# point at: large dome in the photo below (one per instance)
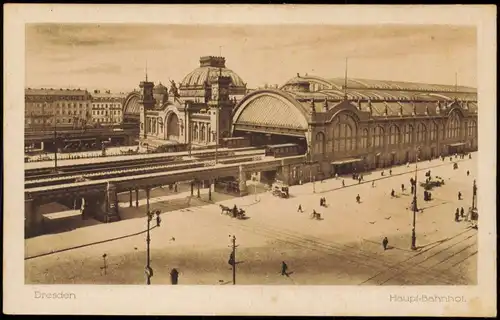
(209, 69)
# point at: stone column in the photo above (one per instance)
(33, 219)
(242, 182)
(130, 197)
(192, 188)
(285, 173)
(210, 190)
(137, 198)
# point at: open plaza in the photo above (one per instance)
(344, 247)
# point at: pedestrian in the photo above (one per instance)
(385, 242)
(462, 212)
(470, 156)
(343, 183)
(382, 173)
(336, 176)
(459, 195)
(300, 208)
(361, 177)
(468, 173)
(373, 183)
(174, 276)
(359, 180)
(390, 172)
(402, 187)
(392, 193)
(284, 269)
(321, 202)
(358, 199)
(407, 164)
(158, 220)
(457, 215)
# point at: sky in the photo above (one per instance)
(114, 56)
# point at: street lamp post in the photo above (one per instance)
(414, 206)
(474, 194)
(148, 270)
(233, 257)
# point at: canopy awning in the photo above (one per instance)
(344, 161)
(458, 144)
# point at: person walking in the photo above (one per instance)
(402, 187)
(393, 193)
(284, 269)
(336, 176)
(358, 198)
(359, 180)
(300, 208)
(343, 183)
(390, 172)
(462, 212)
(385, 242)
(459, 195)
(468, 173)
(373, 183)
(457, 215)
(174, 276)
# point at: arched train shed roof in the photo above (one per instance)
(267, 109)
(132, 107)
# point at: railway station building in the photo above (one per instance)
(192, 111)
(343, 125)
(356, 124)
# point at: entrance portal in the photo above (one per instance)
(172, 127)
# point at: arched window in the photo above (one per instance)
(394, 135)
(408, 134)
(195, 132)
(378, 137)
(364, 139)
(421, 132)
(320, 143)
(433, 132)
(202, 132)
(471, 129)
(453, 130)
(344, 134)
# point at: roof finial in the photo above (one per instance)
(146, 70)
(345, 80)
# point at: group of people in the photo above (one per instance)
(322, 202)
(460, 214)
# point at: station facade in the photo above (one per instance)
(360, 126)
(193, 111)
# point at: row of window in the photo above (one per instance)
(105, 112)
(51, 121)
(106, 105)
(345, 134)
(202, 133)
(106, 120)
(52, 98)
(59, 105)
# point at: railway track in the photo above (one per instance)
(86, 169)
(138, 169)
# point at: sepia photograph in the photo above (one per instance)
(207, 155)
